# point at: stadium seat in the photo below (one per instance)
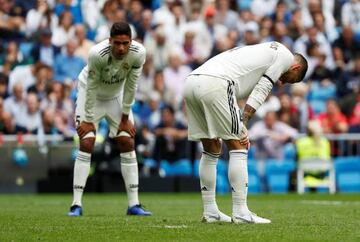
(178, 168)
(318, 106)
(277, 175)
(254, 178)
(322, 93)
(25, 49)
(310, 165)
(348, 173)
(289, 151)
(150, 163)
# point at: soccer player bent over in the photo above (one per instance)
(106, 89)
(211, 93)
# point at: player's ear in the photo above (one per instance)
(110, 39)
(296, 67)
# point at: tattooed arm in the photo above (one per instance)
(248, 113)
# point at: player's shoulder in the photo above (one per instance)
(100, 50)
(136, 48)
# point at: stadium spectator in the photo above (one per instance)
(174, 77)
(11, 59)
(65, 31)
(279, 34)
(295, 26)
(313, 36)
(28, 119)
(44, 51)
(72, 6)
(90, 10)
(60, 105)
(176, 31)
(159, 48)
(134, 16)
(84, 44)
(11, 24)
(333, 121)
(354, 121)
(6, 126)
(41, 17)
(251, 34)
(314, 146)
(261, 8)
(225, 15)
(299, 93)
(42, 76)
(288, 112)
(146, 25)
(345, 48)
(25, 75)
(192, 50)
(350, 13)
(281, 13)
(4, 80)
(68, 66)
(348, 81)
(15, 102)
(270, 136)
(171, 142)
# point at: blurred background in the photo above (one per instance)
(305, 138)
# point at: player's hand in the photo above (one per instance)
(244, 137)
(84, 128)
(127, 126)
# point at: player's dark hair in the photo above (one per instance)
(304, 65)
(120, 28)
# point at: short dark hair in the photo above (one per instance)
(304, 65)
(120, 28)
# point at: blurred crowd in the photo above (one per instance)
(44, 45)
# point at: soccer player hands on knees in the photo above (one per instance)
(244, 137)
(84, 128)
(127, 126)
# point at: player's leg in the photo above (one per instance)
(207, 172)
(198, 130)
(82, 163)
(129, 164)
(238, 177)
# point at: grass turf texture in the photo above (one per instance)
(312, 217)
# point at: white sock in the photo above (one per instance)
(207, 172)
(81, 173)
(238, 177)
(129, 171)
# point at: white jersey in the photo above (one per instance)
(253, 69)
(106, 77)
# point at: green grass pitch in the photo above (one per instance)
(311, 217)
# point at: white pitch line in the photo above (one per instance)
(175, 226)
(325, 202)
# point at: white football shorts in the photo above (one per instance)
(110, 109)
(212, 108)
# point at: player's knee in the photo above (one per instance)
(126, 144)
(212, 146)
(235, 145)
(87, 144)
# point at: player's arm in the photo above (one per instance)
(257, 97)
(93, 81)
(129, 93)
(263, 88)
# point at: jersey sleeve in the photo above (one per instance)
(259, 93)
(93, 82)
(262, 89)
(131, 81)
